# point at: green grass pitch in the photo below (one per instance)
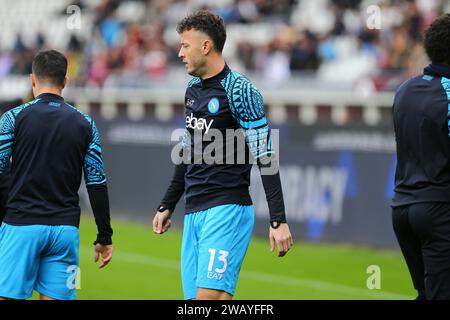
(146, 266)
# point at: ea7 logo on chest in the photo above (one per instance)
(190, 102)
(198, 123)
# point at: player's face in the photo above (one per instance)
(192, 51)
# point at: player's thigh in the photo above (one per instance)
(58, 270)
(432, 222)
(189, 256)
(223, 243)
(20, 248)
(410, 244)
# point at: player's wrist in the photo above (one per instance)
(277, 220)
(103, 240)
(163, 208)
(276, 224)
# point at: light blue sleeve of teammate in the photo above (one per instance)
(446, 85)
(7, 122)
(94, 176)
(94, 171)
(247, 107)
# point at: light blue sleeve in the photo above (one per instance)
(94, 171)
(446, 85)
(247, 107)
(7, 122)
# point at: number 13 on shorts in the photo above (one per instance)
(217, 273)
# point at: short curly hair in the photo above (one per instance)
(437, 40)
(207, 22)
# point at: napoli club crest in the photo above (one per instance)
(213, 105)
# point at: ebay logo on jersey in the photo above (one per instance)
(193, 122)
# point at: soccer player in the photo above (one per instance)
(421, 204)
(219, 213)
(50, 143)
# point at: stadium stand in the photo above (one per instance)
(300, 53)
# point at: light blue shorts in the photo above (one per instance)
(215, 242)
(38, 257)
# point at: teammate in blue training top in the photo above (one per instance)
(50, 143)
(421, 203)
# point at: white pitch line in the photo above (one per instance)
(263, 277)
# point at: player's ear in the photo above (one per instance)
(33, 80)
(66, 81)
(207, 47)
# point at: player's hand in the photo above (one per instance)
(282, 237)
(105, 251)
(162, 222)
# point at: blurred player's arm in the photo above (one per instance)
(175, 189)
(94, 176)
(251, 117)
(6, 146)
(161, 221)
(4, 188)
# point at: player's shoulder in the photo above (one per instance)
(408, 83)
(17, 110)
(235, 82)
(82, 116)
(237, 76)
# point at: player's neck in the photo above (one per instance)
(55, 91)
(215, 66)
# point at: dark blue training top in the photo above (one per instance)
(50, 143)
(226, 101)
(421, 119)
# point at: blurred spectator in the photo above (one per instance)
(276, 38)
(304, 53)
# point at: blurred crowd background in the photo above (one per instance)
(133, 43)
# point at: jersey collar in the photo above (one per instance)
(438, 70)
(49, 96)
